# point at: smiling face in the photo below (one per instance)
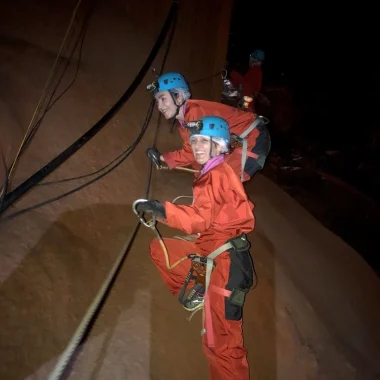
(201, 148)
(166, 105)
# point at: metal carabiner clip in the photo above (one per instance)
(152, 222)
(264, 119)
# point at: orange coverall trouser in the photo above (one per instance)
(228, 358)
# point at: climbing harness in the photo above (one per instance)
(203, 267)
(240, 143)
(197, 273)
(200, 272)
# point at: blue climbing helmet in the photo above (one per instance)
(167, 82)
(212, 126)
(258, 54)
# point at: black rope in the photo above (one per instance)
(133, 235)
(79, 41)
(120, 155)
(57, 161)
(126, 154)
(171, 35)
(50, 104)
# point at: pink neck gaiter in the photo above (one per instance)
(211, 163)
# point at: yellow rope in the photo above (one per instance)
(166, 253)
(180, 168)
(44, 90)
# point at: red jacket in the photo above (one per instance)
(251, 81)
(220, 210)
(237, 119)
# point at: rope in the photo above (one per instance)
(181, 196)
(107, 285)
(166, 253)
(181, 168)
(31, 182)
(152, 225)
(44, 91)
(92, 310)
(79, 41)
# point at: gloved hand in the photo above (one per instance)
(154, 155)
(153, 207)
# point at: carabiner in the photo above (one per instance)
(152, 222)
(264, 119)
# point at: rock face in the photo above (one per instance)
(315, 312)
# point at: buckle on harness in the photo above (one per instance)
(264, 119)
(240, 243)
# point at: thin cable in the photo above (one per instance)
(80, 39)
(28, 184)
(127, 153)
(92, 312)
(49, 106)
(51, 103)
(156, 133)
(147, 118)
(121, 154)
(94, 308)
(159, 115)
(43, 95)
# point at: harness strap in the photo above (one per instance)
(207, 320)
(251, 128)
(221, 291)
(249, 154)
(243, 158)
(244, 142)
(235, 244)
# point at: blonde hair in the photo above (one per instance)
(217, 140)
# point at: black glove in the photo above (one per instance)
(153, 207)
(154, 155)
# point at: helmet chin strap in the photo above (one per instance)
(210, 153)
(177, 112)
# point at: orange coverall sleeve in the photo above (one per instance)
(184, 156)
(195, 218)
(181, 157)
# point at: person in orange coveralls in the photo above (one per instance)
(221, 215)
(252, 81)
(249, 134)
